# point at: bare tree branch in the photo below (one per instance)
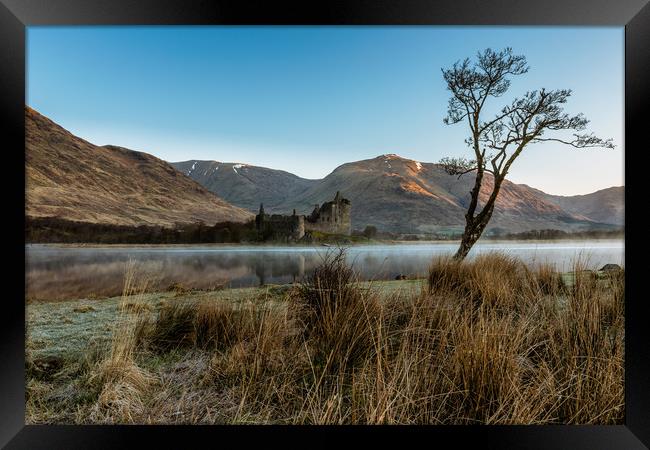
(458, 166)
(581, 141)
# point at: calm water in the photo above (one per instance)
(68, 272)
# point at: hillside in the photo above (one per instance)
(70, 178)
(245, 185)
(605, 205)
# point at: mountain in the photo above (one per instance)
(246, 185)
(393, 193)
(401, 195)
(606, 205)
(70, 178)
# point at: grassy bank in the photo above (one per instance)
(487, 341)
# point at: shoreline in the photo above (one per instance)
(273, 289)
(312, 245)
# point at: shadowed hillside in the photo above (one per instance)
(606, 205)
(72, 179)
(245, 185)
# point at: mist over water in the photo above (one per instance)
(75, 272)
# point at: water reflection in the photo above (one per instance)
(66, 272)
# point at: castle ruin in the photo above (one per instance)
(332, 217)
(279, 227)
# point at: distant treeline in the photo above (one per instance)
(547, 234)
(55, 230)
(560, 234)
(430, 237)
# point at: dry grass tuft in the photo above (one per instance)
(488, 280)
(178, 289)
(549, 281)
(339, 317)
(122, 382)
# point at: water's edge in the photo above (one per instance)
(55, 272)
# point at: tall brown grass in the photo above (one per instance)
(486, 341)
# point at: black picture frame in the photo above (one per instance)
(634, 15)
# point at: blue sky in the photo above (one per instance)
(307, 99)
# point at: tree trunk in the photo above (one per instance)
(473, 230)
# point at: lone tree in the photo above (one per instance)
(536, 117)
(370, 231)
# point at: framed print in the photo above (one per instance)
(375, 217)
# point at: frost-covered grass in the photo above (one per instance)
(69, 327)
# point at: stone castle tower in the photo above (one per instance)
(332, 217)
